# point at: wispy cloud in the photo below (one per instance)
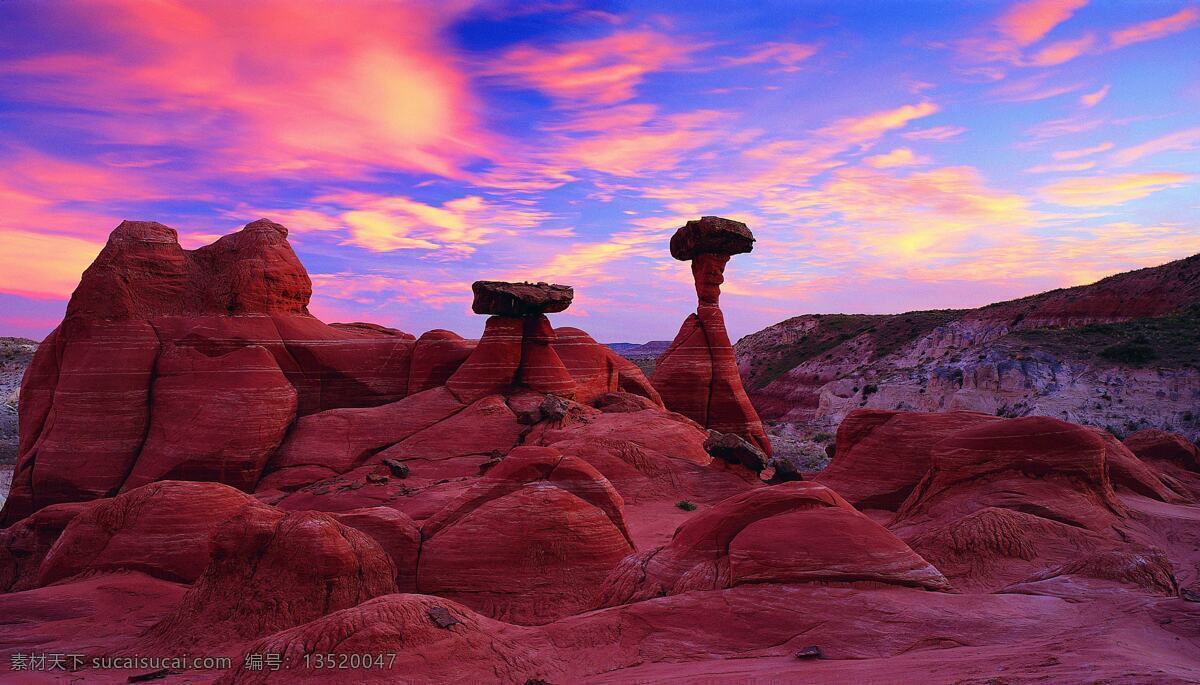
(1182, 20)
(1104, 191)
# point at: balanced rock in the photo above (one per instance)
(711, 235)
(698, 375)
(520, 299)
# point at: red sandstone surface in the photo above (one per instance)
(206, 469)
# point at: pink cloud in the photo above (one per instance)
(1092, 99)
(788, 56)
(1182, 20)
(597, 71)
(269, 86)
(1027, 22)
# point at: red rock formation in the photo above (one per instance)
(1009, 501)
(698, 376)
(395, 533)
(1161, 446)
(161, 529)
(436, 356)
(430, 639)
(530, 542)
(152, 320)
(24, 545)
(791, 533)
(597, 369)
(214, 419)
(880, 456)
(271, 571)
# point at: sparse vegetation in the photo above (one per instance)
(685, 505)
(1171, 341)
(887, 333)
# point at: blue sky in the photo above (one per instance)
(889, 156)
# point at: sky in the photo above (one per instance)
(889, 156)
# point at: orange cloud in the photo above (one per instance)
(901, 156)
(1104, 191)
(1182, 20)
(452, 230)
(936, 133)
(43, 265)
(857, 129)
(1093, 99)
(1060, 168)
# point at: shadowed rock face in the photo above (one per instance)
(520, 299)
(698, 375)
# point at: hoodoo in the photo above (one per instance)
(517, 344)
(698, 376)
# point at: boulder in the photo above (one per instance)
(880, 456)
(797, 532)
(711, 235)
(530, 542)
(272, 571)
(161, 529)
(520, 299)
(1157, 445)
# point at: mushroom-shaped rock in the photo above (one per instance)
(161, 529)
(796, 532)
(530, 542)
(711, 235)
(520, 299)
(273, 571)
(698, 375)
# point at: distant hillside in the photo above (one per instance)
(644, 355)
(15, 354)
(1121, 353)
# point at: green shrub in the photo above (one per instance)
(1129, 353)
(685, 505)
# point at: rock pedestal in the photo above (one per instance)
(698, 376)
(517, 347)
